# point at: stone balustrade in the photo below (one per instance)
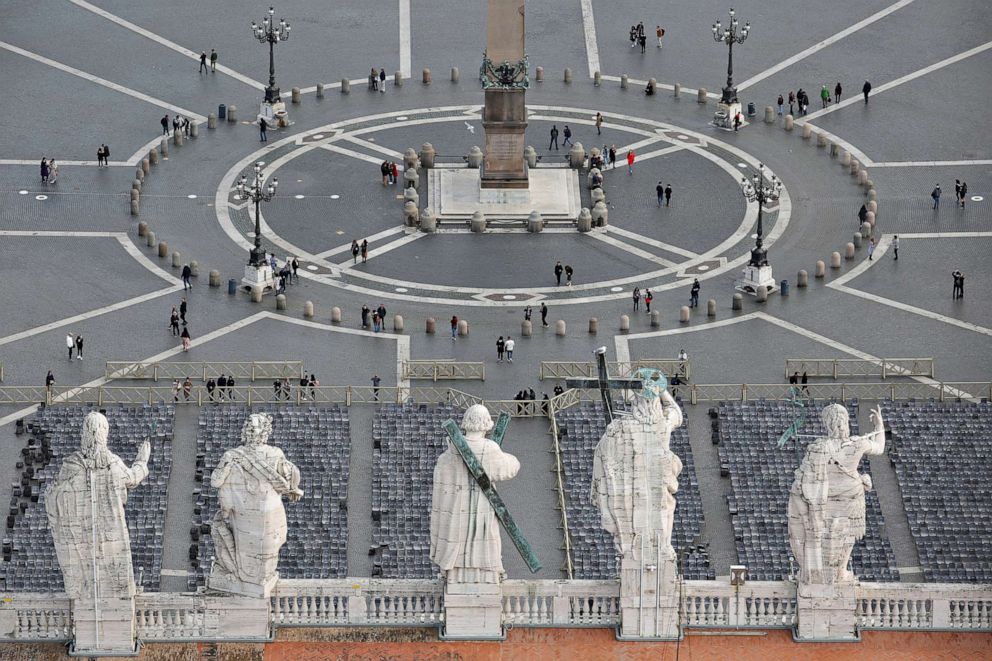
(573, 603)
(759, 604)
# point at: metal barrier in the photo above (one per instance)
(578, 370)
(449, 370)
(836, 368)
(251, 371)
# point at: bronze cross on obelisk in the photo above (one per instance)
(603, 382)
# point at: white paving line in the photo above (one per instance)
(405, 38)
(355, 154)
(858, 98)
(164, 42)
(641, 143)
(823, 44)
(633, 250)
(346, 247)
(589, 30)
(102, 81)
(143, 259)
(387, 247)
(392, 153)
(613, 229)
(665, 86)
(20, 161)
(945, 235)
(851, 149)
(929, 164)
(658, 152)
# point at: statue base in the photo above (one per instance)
(104, 627)
(753, 277)
(233, 585)
(258, 276)
(242, 618)
(826, 613)
(473, 611)
(454, 194)
(649, 601)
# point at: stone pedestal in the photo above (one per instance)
(753, 277)
(473, 611)
(236, 617)
(504, 120)
(649, 601)
(826, 612)
(258, 276)
(104, 626)
(724, 116)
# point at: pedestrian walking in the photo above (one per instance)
(694, 294)
(895, 245)
(500, 348)
(794, 379)
(165, 124)
(554, 138)
(865, 89)
(70, 343)
(633, 36)
(613, 156)
(187, 274)
(738, 121)
(296, 268)
(182, 310)
(394, 173)
(824, 95)
(544, 315)
(99, 156)
(630, 161)
(106, 156)
(599, 123)
(454, 327)
(177, 387)
(375, 387)
(567, 132)
(213, 61)
(263, 127)
(354, 251)
(659, 32)
(365, 250)
(559, 269)
(509, 345)
(44, 170)
(804, 381)
(781, 105)
(643, 41)
(837, 92)
(958, 291)
(668, 195)
(79, 347)
(935, 194)
(185, 337)
(871, 249)
(568, 275)
(648, 297)
(385, 171)
(962, 196)
(174, 321)
(382, 81)
(637, 298)
(660, 191)
(53, 171)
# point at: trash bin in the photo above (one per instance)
(751, 110)
(222, 111)
(784, 285)
(232, 287)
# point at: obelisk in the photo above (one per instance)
(504, 79)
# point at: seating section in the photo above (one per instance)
(29, 561)
(593, 550)
(761, 476)
(318, 441)
(942, 461)
(407, 440)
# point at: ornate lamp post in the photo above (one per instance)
(258, 271)
(271, 33)
(730, 35)
(761, 189)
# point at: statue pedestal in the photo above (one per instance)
(258, 276)
(753, 277)
(233, 585)
(826, 612)
(242, 618)
(473, 611)
(649, 601)
(104, 627)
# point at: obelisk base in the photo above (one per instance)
(505, 121)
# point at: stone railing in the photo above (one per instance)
(173, 616)
(251, 370)
(836, 368)
(442, 370)
(360, 601)
(35, 616)
(588, 370)
(760, 604)
(924, 606)
(561, 603)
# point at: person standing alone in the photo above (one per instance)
(865, 90)
(554, 138)
(895, 245)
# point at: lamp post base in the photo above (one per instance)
(258, 276)
(753, 277)
(271, 94)
(723, 118)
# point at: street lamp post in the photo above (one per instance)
(258, 271)
(271, 33)
(761, 189)
(730, 35)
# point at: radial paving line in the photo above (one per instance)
(632, 250)
(371, 146)
(589, 30)
(823, 44)
(613, 229)
(102, 81)
(930, 164)
(164, 42)
(346, 247)
(346, 265)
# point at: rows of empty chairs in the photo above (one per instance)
(761, 476)
(593, 550)
(29, 561)
(407, 440)
(942, 461)
(318, 441)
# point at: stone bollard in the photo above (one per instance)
(335, 315)
(873, 206)
(789, 123)
(624, 81)
(834, 150)
(135, 195)
(597, 79)
(821, 140)
(560, 328)
(652, 86)
(869, 185)
(232, 114)
(150, 239)
(576, 155)
(411, 178)
(761, 293)
(684, 313)
(146, 165)
(526, 328)
(462, 327)
(411, 215)
(295, 95)
(568, 75)
(410, 159)
(863, 177)
(427, 155)
(397, 323)
(535, 222)
(454, 74)
(870, 219)
(584, 222)
(845, 158)
(142, 226)
(539, 74)
(738, 303)
(678, 90)
(280, 302)
(807, 131)
(530, 155)
(593, 326)
(212, 120)
(478, 222)
(474, 158)
(624, 323)
(656, 318)
(194, 130)
(163, 249)
(177, 259)
(701, 96)
(428, 221)
(136, 185)
(802, 279)
(153, 156)
(398, 79)
(411, 195)
(855, 168)
(769, 115)
(593, 172)
(163, 147)
(835, 260)
(600, 214)
(194, 268)
(345, 86)
(135, 206)
(856, 239)
(597, 195)
(711, 307)
(256, 294)
(431, 326)
(821, 269)
(425, 76)
(214, 278)
(139, 174)
(319, 92)
(177, 138)
(308, 309)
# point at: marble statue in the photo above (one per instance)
(827, 500)
(635, 474)
(465, 537)
(250, 526)
(85, 505)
